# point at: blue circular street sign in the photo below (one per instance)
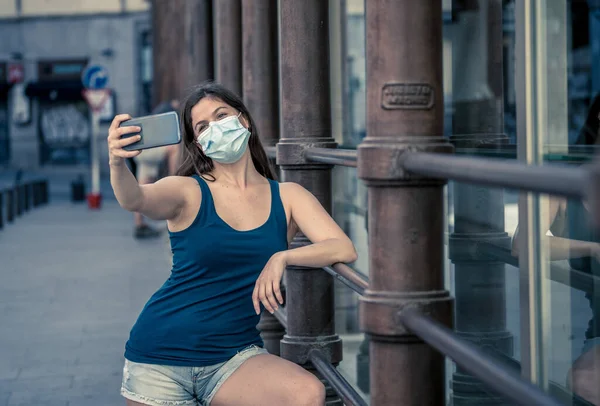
(94, 77)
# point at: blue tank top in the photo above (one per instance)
(203, 314)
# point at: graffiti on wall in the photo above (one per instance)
(64, 125)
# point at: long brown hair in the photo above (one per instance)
(193, 161)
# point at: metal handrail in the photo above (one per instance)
(559, 392)
(281, 316)
(333, 156)
(555, 179)
(552, 179)
(341, 386)
(499, 378)
(573, 278)
(349, 277)
(342, 157)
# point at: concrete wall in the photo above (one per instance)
(80, 36)
(29, 8)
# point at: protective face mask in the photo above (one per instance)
(225, 140)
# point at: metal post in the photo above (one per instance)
(94, 197)
(271, 332)
(36, 193)
(306, 121)
(480, 286)
(260, 67)
(10, 206)
(405, 109)
(26, 197)
(1, 209)
(182, 50)
(18, 200)
(228, 47)
(260, 92)
(34, 201)
(45, 192)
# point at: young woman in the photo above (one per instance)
(195, 341)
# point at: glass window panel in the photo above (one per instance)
(564, 282)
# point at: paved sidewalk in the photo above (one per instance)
(73, 282)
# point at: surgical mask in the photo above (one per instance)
(225, 140)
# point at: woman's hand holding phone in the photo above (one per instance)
(116, 152)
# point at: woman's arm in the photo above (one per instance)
(329, 245)
(561, 248)
(564, 248)
(162, 200)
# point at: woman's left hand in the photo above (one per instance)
(267, 289)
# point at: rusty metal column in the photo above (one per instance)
(260, 61)
(306, 121)
(405, 109)
(479, 280)
(181, 46)
(228, 43)
(260, 91)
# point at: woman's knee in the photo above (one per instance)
(312, 392)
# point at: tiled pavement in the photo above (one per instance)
(72, 282)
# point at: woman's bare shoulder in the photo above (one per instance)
(177, 185)
(292, 189)
(294, 194)
(178, 181)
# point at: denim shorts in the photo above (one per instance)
(161, 385)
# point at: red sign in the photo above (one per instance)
(96, 98)
(15, 73)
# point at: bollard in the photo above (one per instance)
(40, 199)
(26, 198)
(36, 194)
(10, 206)
(1, 209)
(45, 197)
(17, 200)
(78, 190)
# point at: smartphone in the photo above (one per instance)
(158, 130)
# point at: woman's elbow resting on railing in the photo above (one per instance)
(349, 255)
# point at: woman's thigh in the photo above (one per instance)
(132, 403)
(270, 380)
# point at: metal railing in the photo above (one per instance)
(573, 278)
(505, 381)
(483, 366)
(349, 277)
(556, 179)
(341, 386)
(499, 378)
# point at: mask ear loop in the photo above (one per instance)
(249, 129)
